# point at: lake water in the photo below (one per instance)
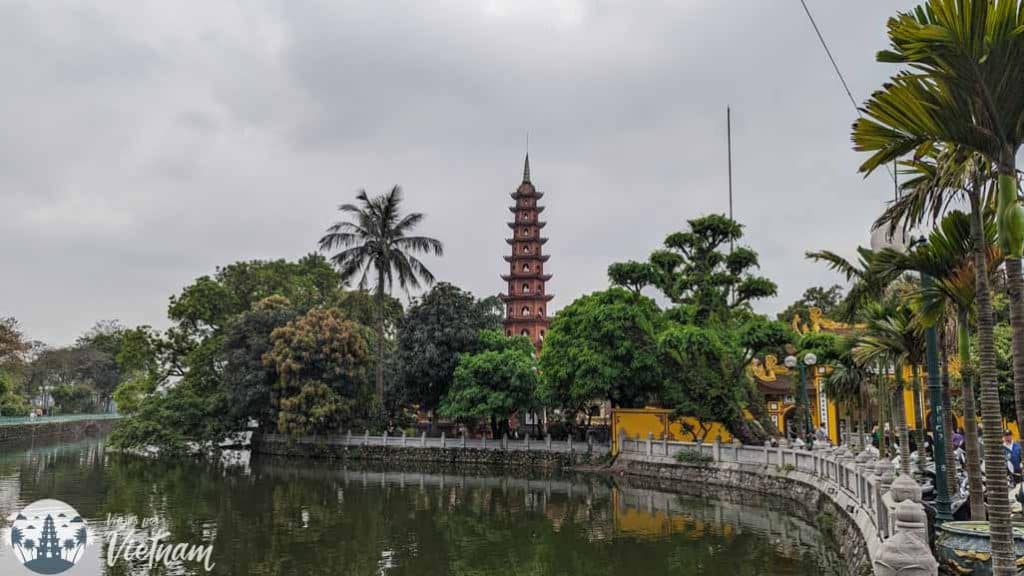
(271, 516)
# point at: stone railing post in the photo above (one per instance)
(767, 452)
(403, 437)
(736, 449)
(664, 444)
(906, 552)
(547, 442)
(384, 438)
(348, 436)
(783, 444)
(716, 449)
(650, 445)
(444, 441)
(590, 445)
(568, 442)
(622, 440)
(366, 438)
(423, 439)
(504, 441)
(526, 441)
(463, 438)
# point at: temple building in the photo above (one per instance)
(527, 299)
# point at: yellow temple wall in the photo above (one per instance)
(639, 422)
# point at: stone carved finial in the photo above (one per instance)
(907, 553)
(905, 488)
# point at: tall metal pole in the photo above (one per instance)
(728, 139)
(942, 500)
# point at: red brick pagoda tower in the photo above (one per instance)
(526, 301)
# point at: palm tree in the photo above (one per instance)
(849, 383)
(68, 546)
(894, 336)
(948, 257)
(378, 238)
(963, 93)
(81, 537)
(17, 535)
(30, 545)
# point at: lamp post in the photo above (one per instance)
(942, 501)
(809, 360)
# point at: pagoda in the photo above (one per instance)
(527, 299)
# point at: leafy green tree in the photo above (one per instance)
(442, 324)
(379, 238)
(494, 383)
(825, 299)
(632, 275)
(248, 381)
(603, 346)
(319, 359)
(702, 270)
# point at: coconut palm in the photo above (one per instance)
(17, 535)
(948, 257)
(29, 545)
(963, 92)
(81, 537)
(378, 238)
(68, 545)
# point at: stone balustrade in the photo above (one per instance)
(887, 509)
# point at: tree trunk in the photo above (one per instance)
(1003, 556)
(1015, 292)
(883, 413)
(972, 448)
(947, 410)
(901, 422)
(380, 337)
(919, 417)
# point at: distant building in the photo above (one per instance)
(527, 299)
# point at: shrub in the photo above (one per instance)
(693, 457)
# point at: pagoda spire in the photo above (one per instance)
(526, 168)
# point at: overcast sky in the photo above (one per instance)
(144, 143)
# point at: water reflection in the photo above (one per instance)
(270, 516)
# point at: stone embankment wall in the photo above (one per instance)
(317, 448)
(796, 492)
(66, 431)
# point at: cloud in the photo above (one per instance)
(146, 143)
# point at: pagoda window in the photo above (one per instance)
(524, 232)
(526, 267)
(540, 312)
(525, 333)
(541, 335)
(526, 249)
(526, 311)
(526, 216)
(526, 288)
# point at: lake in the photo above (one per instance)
(265, 516)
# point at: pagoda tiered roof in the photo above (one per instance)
(537, 209)
(526, 276)
(514, 257)
(527, 223)
(534, 296)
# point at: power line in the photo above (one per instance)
(835, 66)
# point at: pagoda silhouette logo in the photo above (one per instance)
(47, 536)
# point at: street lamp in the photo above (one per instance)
(809, 360)
(942, 500)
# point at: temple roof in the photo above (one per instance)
(520, 297)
